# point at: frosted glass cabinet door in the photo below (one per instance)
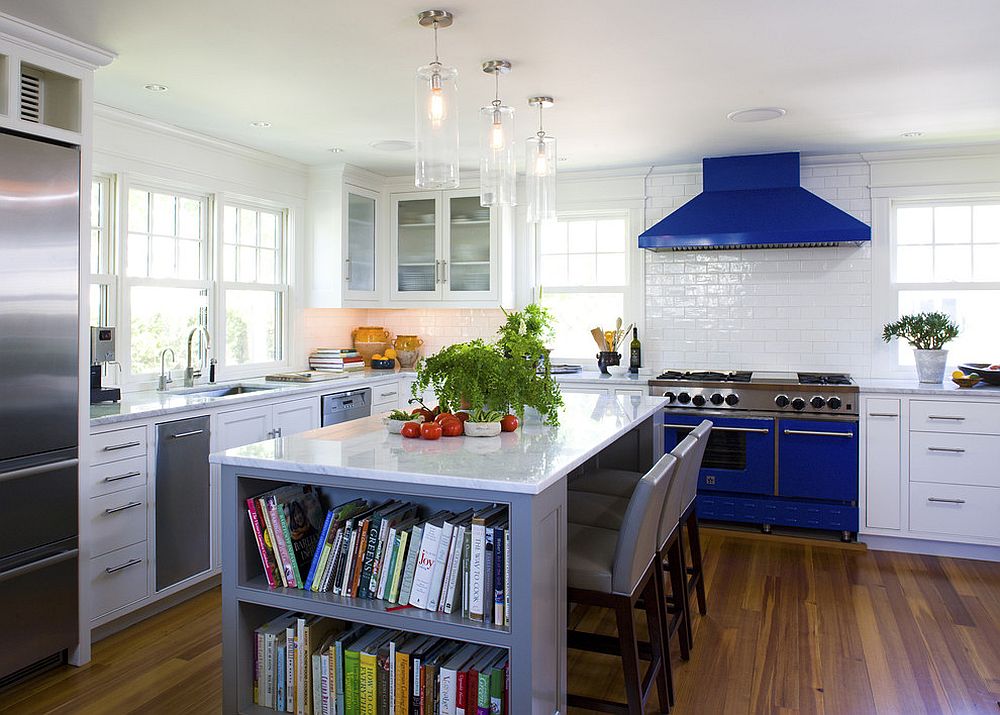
(470, 255)
(417, 264)
(360, 248)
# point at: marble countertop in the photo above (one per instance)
(150, 403)
(913, 387)
(639, 380)
(526, 461)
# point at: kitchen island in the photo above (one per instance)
(526, 470)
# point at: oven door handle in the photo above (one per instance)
(816, 433)
(756, 430)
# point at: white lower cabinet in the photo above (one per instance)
(295, 416)
(883, 464)
(932, 469)
(117, 519)
(118, 579)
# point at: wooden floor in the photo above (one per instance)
(791, 628)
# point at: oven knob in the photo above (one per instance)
(732, 400)
(717, 399)
(798, 403)
(834, 403)
(698, 400)
(670, 397)
(817, 402)
(781, 400)
(684, 398)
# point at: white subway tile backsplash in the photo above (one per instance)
(800, 308)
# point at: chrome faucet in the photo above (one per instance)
(165, 378)
(189, 372)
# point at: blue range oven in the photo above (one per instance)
(775, 470)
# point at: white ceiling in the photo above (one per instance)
(636, 83)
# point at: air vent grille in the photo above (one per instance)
(31, 97)
(740, 247)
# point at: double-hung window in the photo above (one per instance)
(167, 276)
(102, 258)
(254, 284)
(945, 256)
(584, 268)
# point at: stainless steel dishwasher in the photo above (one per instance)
(346, 406)
(183, 509)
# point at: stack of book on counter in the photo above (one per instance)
(311, 665)
(444, 562)
(336, 360)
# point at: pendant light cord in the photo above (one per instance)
(436, 60)
(541, 132)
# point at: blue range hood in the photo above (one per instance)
(754, 202)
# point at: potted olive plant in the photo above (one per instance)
(927, 334)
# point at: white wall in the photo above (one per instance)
(798, 308)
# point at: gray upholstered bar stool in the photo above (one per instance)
(594, 509)
(615, 568)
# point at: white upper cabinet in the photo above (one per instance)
(445, 248)
(360, 247)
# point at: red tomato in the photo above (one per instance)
(463, 416)
(508, 423)
(430, 430)
(411, 430)
(443, 416)
(453, 427)
(425, 413)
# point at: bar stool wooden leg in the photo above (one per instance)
(630, 655)
(679, 595)
(697, 573)
(656, 617)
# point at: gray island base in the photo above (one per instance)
(526, 470)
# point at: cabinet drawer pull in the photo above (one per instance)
(816, 433)
(946, 501)
(946, 417)
(955, 450)
(122, 476)
(119, 567)
(123, 445)
(882, 414)
(756, 430)
(192, 433)
(347, 273)
(387, 394)
(123, 507)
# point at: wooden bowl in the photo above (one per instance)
(968, 381)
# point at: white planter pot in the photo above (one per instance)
(930, 365)
(482, 429)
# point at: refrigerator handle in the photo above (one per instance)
(37, 565)
(39, 469)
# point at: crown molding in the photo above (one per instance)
(79, 52)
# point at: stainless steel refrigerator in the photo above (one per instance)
(39, 378)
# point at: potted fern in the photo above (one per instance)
(927, 334)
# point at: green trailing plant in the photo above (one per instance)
(923, 331)
(509, 374)
(484, 415)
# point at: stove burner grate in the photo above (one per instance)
(707, 376)
(820, 378)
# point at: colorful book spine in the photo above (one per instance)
(404, 540)
(283, 520)
(352, 682)
(367, 682)
(454, 570)
(506, 576)
(498, 598)
(402, 699)
(266, 557)
(461, 692)
(276, 515)
(359, 560)
(420, 592)
(483, 697)
(290, 646)
(319, 551)
(496, 690)
(280, 675)
(440, 564)
(477, 563)
(410, 567)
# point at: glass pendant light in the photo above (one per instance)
(497, 172)
(540, 168)
(436, 115)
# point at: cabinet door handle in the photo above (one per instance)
(123, 507)
(946, 417)
(119, 567)
(38, 565)
(277, 431)
(123, 445)
(956, 450)
(942, 500)
(119, 477)
(444, 271)
(387, 394)
(816, 433)
(39, 469)
(192, 433)
(347, 274)
(437, 272)
(882, 414)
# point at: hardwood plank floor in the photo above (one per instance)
(791, 628)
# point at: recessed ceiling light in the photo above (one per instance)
(156, 87)
(392, 145)
(336, 150)
(563, 158)
(260, 125)
(756, 114)
(911, 135)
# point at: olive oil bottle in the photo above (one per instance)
(634, 353)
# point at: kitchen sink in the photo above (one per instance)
(225, 391)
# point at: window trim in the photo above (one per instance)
(632, 289)
(284, 257)
(885, 289)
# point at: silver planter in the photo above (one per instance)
(930, 365)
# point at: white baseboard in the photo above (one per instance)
(906, 545)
